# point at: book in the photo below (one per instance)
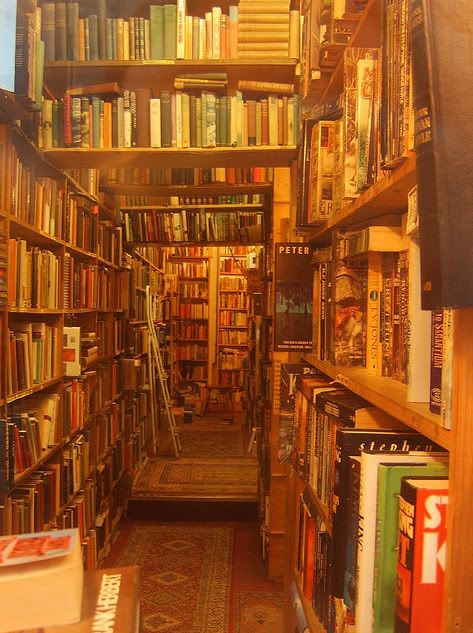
(72, 365)
(387, 518)
(422, 538)
(444, 250)
(33, 567)
(365, 570)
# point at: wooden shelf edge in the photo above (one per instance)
(388, 395)
(253, 156)
(314, 623)
(211, 189)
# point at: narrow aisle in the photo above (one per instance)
(200, 577)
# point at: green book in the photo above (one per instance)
(156, 19)
(170, 26)
(387, 513)
(96, 121)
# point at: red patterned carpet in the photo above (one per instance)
(200, 578)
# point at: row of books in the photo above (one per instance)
(232, 284)
(89, 285)
(189, 251)
(231, 265)
(188, 269)
(168, 32)
(186, 176)
(193, 289)
(186, 351)
(353, 457)
(33, 276)
(190, 331)
(190, 373)
(33, 355)
(123, 201)
(172, 119)
(192, 226)
(232, 359)
(231, 300)
(231, 378)
(193, 310)
(228, 318)
(227, 337)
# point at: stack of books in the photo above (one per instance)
(263, 30)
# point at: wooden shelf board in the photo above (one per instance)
(27, 392)
(46, 456)
(389, 395)
(171, 208)
(263, 156)
(177, 243)
(314, 623)
(36, 311)
(211, 189)
(34, 236)
(388, 195)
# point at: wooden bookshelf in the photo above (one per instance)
(262, 156)
(389, 395)
(210, 190)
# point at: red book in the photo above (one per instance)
(421, 554)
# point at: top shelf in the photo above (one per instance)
(61, 75)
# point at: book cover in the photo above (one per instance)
(422, 540)
(387, 518)
(350, 443)
(370, 462)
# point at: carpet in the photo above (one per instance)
(211, 443)
(259, 612)
(235, 478)
(185, 575)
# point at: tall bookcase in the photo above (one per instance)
(323, 69)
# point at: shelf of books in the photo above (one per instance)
(190, 266)
(68, 431)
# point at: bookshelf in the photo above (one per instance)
(380, 203)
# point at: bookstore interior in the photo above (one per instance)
(238, 222)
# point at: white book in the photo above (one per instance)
(202, 36)
(188, 37)
(208, 36)
(239, 117)
(290, 121)
(204, 119)
(71, 352)
(419, 343)
(273, 119)
(185, 105)
(245, 126)
(147, 39)
(155, 122)
(367, 527)
(180, 29)
(126, 40)
(120, 122)
(216, 19)
(127, 125)
(198, 121)
(233, 121)
(178, 118)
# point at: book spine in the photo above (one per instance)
(101, 28)
(61, 32)
(156, 31)
(216, 19)
(436, 361)
(180, 29)
(48, 31)
(170, 31)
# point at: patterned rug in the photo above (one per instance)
(234, 478)
(185, 575)
(259, 612)
(204, 442)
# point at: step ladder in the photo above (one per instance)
(156, 370)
